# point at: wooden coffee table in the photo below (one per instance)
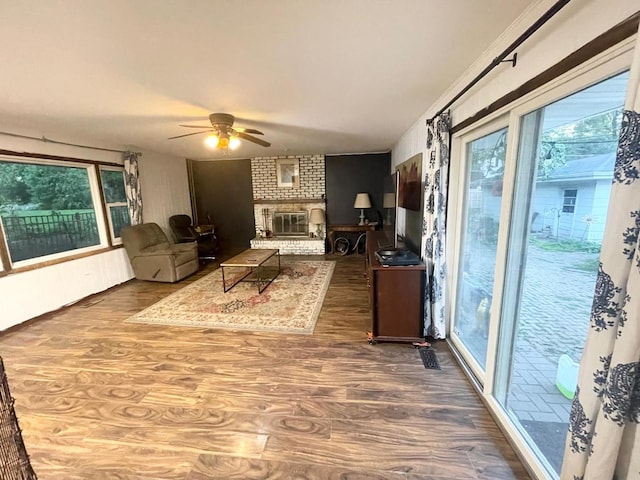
(259, 266)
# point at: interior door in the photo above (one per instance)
(222, 191)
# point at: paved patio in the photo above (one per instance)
(554, 316)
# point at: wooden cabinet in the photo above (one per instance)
(395, 295)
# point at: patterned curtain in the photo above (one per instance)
(434, 219)
(132, 187)
(604, 438)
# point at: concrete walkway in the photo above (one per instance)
(554, 320)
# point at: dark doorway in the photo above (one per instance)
(222, 191)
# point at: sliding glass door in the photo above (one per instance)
(565, 166)
(480, 222)
(530, 206)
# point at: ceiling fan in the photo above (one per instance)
(222, 135)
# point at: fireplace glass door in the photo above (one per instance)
(291, 224)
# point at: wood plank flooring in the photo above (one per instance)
(100, 398)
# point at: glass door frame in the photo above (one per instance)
(498, 363)
(458, 190)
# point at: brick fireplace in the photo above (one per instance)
(281, 213)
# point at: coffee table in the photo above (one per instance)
(259, 266)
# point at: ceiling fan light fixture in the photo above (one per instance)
(212, 140)
(234, 142)
(222, 136)
(223, 142)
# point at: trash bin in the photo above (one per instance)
(567, 376)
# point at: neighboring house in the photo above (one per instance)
(571, 203)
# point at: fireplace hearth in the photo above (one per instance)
(285, 225)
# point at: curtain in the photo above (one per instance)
(603, 440)
(132, 187)
(434, 224)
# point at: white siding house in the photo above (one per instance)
(571, 203)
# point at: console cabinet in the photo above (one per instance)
(395, 295)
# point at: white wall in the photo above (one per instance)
(164, 182)
(575, 25)
(29, 294)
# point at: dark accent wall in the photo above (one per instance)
(348, 175)
(222, 189)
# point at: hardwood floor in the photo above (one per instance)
(100, 398)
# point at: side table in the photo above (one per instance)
(347, 228)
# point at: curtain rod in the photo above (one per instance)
(47, 140)
(501, 58)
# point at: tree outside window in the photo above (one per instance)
(46, 209)
(115, 199)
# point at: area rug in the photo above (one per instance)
(291, 304)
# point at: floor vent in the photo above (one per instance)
(429, 358)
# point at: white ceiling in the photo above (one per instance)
(316, 76)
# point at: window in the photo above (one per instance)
(49, 210)
(115, 199)
(569, 201)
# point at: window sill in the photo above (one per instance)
(48, 263)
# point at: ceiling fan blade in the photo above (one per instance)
(195, 126)
(249, 130)
(249, 138)
(188, 134)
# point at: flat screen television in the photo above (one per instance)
(389, 207)
(404, 226)
(408, 227)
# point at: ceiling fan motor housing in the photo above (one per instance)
(222, 126)
(221, 119)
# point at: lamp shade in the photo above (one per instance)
(389, 200)
(316, 216)
(362, 201)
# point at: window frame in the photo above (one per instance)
(7, 266)
(107, 205)
(457, 191)
(566, 197)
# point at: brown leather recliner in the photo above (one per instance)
(184, 231)
(154, 258)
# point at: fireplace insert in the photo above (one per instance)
(290, 224)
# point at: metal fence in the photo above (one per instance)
(39, 235)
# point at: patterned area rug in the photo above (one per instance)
(291, 304)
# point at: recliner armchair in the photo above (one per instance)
(154, 258)
(205, 235)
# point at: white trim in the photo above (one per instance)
(458, 181)
(108, 205)
(541, 470)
